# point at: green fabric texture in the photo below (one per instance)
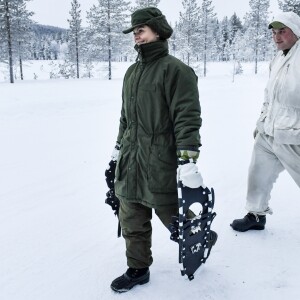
(160, 114)
(276, 25)
(136, 227)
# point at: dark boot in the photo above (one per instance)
(249, 222)
(129, 279)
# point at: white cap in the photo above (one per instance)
(289, 19)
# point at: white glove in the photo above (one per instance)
(189, 175)
(115, 153)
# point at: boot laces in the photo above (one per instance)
(255, 215)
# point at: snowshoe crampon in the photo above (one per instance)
(194, 235)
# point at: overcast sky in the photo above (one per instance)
(56, 12)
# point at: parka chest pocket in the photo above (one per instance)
(151, 87)
(151, 98)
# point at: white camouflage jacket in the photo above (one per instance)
(280, 117)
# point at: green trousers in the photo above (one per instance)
(136, 226)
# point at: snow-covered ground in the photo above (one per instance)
(58, 237)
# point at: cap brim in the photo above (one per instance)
(131, 28)
(128, 30)
(276, 25)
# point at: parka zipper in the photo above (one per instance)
(133, 114)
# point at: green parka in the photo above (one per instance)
(160, 115)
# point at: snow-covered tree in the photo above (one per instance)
(257, 29)
(290, 5)
(6, 37)
(63, 50)
(187, 31)
(106, 21)
(235, 24)
(88, 67)
(234, 30)
(144, 3)
(46, 41)
(237, 52)
(67, 69)
(22, 33)
(54, 49)
(224, 39)
(15, 38)
(206, 30)
(75, 34)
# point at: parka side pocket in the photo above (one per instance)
(162, 170)
(117, 174)
(121, 182)
(121, 165)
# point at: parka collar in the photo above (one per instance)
(152, 51)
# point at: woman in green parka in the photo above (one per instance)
(159, 124)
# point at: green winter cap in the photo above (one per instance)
(276, 25)
(287, 19)
(152, 17)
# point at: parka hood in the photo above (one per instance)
(289, 19)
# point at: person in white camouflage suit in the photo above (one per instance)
(277, 136)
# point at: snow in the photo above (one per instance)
(58, 237)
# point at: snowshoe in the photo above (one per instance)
(194, 236)
(112, 199)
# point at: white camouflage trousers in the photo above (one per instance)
(268, 160)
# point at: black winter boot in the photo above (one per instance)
(249, 222)
(129, 279)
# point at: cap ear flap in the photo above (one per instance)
(160, 26)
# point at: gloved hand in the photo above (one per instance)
(111, 199)
(115, 153)
(189, 175)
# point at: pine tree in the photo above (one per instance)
(6, 20)
(258, 33)
(290, 5)
(237, 49)
(75, 33)
(234, 27)
(15, 24)
(106, 21)
(235, 24)
(66, 69)
(145, 3)
(225, 39)
(206, 30)
(187, 31)
(54, 48)
(173, 40)
(22, 33)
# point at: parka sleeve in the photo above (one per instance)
(184, 107)
(123, 121)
